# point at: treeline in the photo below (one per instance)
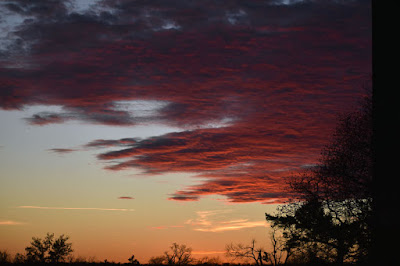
(58, 251)
(51, 250)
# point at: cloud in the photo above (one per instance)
(61, 151)
(184, 198)
(98, 144)
(286, 2)
(45, 118)
(104, 143)
(9, 222)
(233, 226)
(242, 164)
(214, 221)
(253, 87)
(74, 208)
(208, 252)
(163, 227)
(124, 197)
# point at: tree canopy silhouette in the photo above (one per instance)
(49, 249)
(330, 217)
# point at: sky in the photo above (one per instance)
(130, 125)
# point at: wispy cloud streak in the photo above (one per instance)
(232, 226)
(208, 252)
(163, 227)
(214, 221)
(9, 222)
(74, 208)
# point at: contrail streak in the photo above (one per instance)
(74, 208)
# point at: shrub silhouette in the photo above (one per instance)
(157, 260)
(19, 258)
(209, 261)
(132, 260)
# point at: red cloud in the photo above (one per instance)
(184, 198)
(124, 197)
(241, 164)
(256, 86)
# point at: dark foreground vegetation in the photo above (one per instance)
(331, 216)
(329, 221)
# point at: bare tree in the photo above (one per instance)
(241, 251)
(281, 251)
(178, 255)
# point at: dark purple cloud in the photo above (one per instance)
(103, 143)
(126, 198)
(255, 85)
(61, 151)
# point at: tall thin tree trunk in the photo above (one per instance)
(340, 252)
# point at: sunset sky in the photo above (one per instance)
(130, 125)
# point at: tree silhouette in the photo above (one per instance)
(279, 255)
(179, 255)
(4, 257)
(281, 251)
(331, 216)
(48, 249)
